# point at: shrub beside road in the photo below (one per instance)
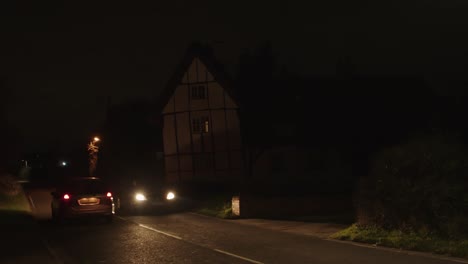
(12, 197)
(22, 239)
(419, 241)
(415, 198)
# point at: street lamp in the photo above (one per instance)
(93, 150)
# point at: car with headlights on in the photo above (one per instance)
(80, 197)
(147, 200)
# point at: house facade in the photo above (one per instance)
(201, 134)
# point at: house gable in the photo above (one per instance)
(197, 84)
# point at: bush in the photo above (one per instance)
(9, 186)
(12, 197)
(404, 240)
(216, 205)
(417, 186)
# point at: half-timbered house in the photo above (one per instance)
(201, 135)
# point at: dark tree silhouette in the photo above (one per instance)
(350, 114)
(9, 136)
(131, 140)
(256, 91)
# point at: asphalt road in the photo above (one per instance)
(190, 238)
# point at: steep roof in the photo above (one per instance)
(205, 54)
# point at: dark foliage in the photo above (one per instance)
(9, 136)
(418, 185)
(131, 140)
(353, 115)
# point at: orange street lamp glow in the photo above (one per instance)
(96, 139)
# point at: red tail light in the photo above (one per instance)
(66, 197)
(109, 194)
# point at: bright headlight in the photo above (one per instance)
(140, 197)
(170, 196)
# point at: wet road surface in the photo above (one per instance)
(191, 238)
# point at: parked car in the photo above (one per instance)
(81, 197)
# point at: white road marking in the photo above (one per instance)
(153, 229)
(31, 202)
(121, 218)
(237, 256)
(179, 238)
(160, 232)
(202, 215)
(52, 252)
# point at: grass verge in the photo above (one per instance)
(344, 219)
(17, 202)
(405, 240)
(15, 209)
(216, 206)
(12, 196)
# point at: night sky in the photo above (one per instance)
(59, 61)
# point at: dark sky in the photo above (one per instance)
(60, 60)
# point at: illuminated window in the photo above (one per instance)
(200, 125)
(206, 128)
(198, 92)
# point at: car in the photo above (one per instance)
(147, 199)
(81, 197)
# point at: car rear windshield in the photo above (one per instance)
(86, 187)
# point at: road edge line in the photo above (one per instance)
(207, 216)
(52, 252)
(31, 203)
(357, 244)
(399, 251)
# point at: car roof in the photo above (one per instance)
(81, 183)
(83, 178)
(75, 180)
